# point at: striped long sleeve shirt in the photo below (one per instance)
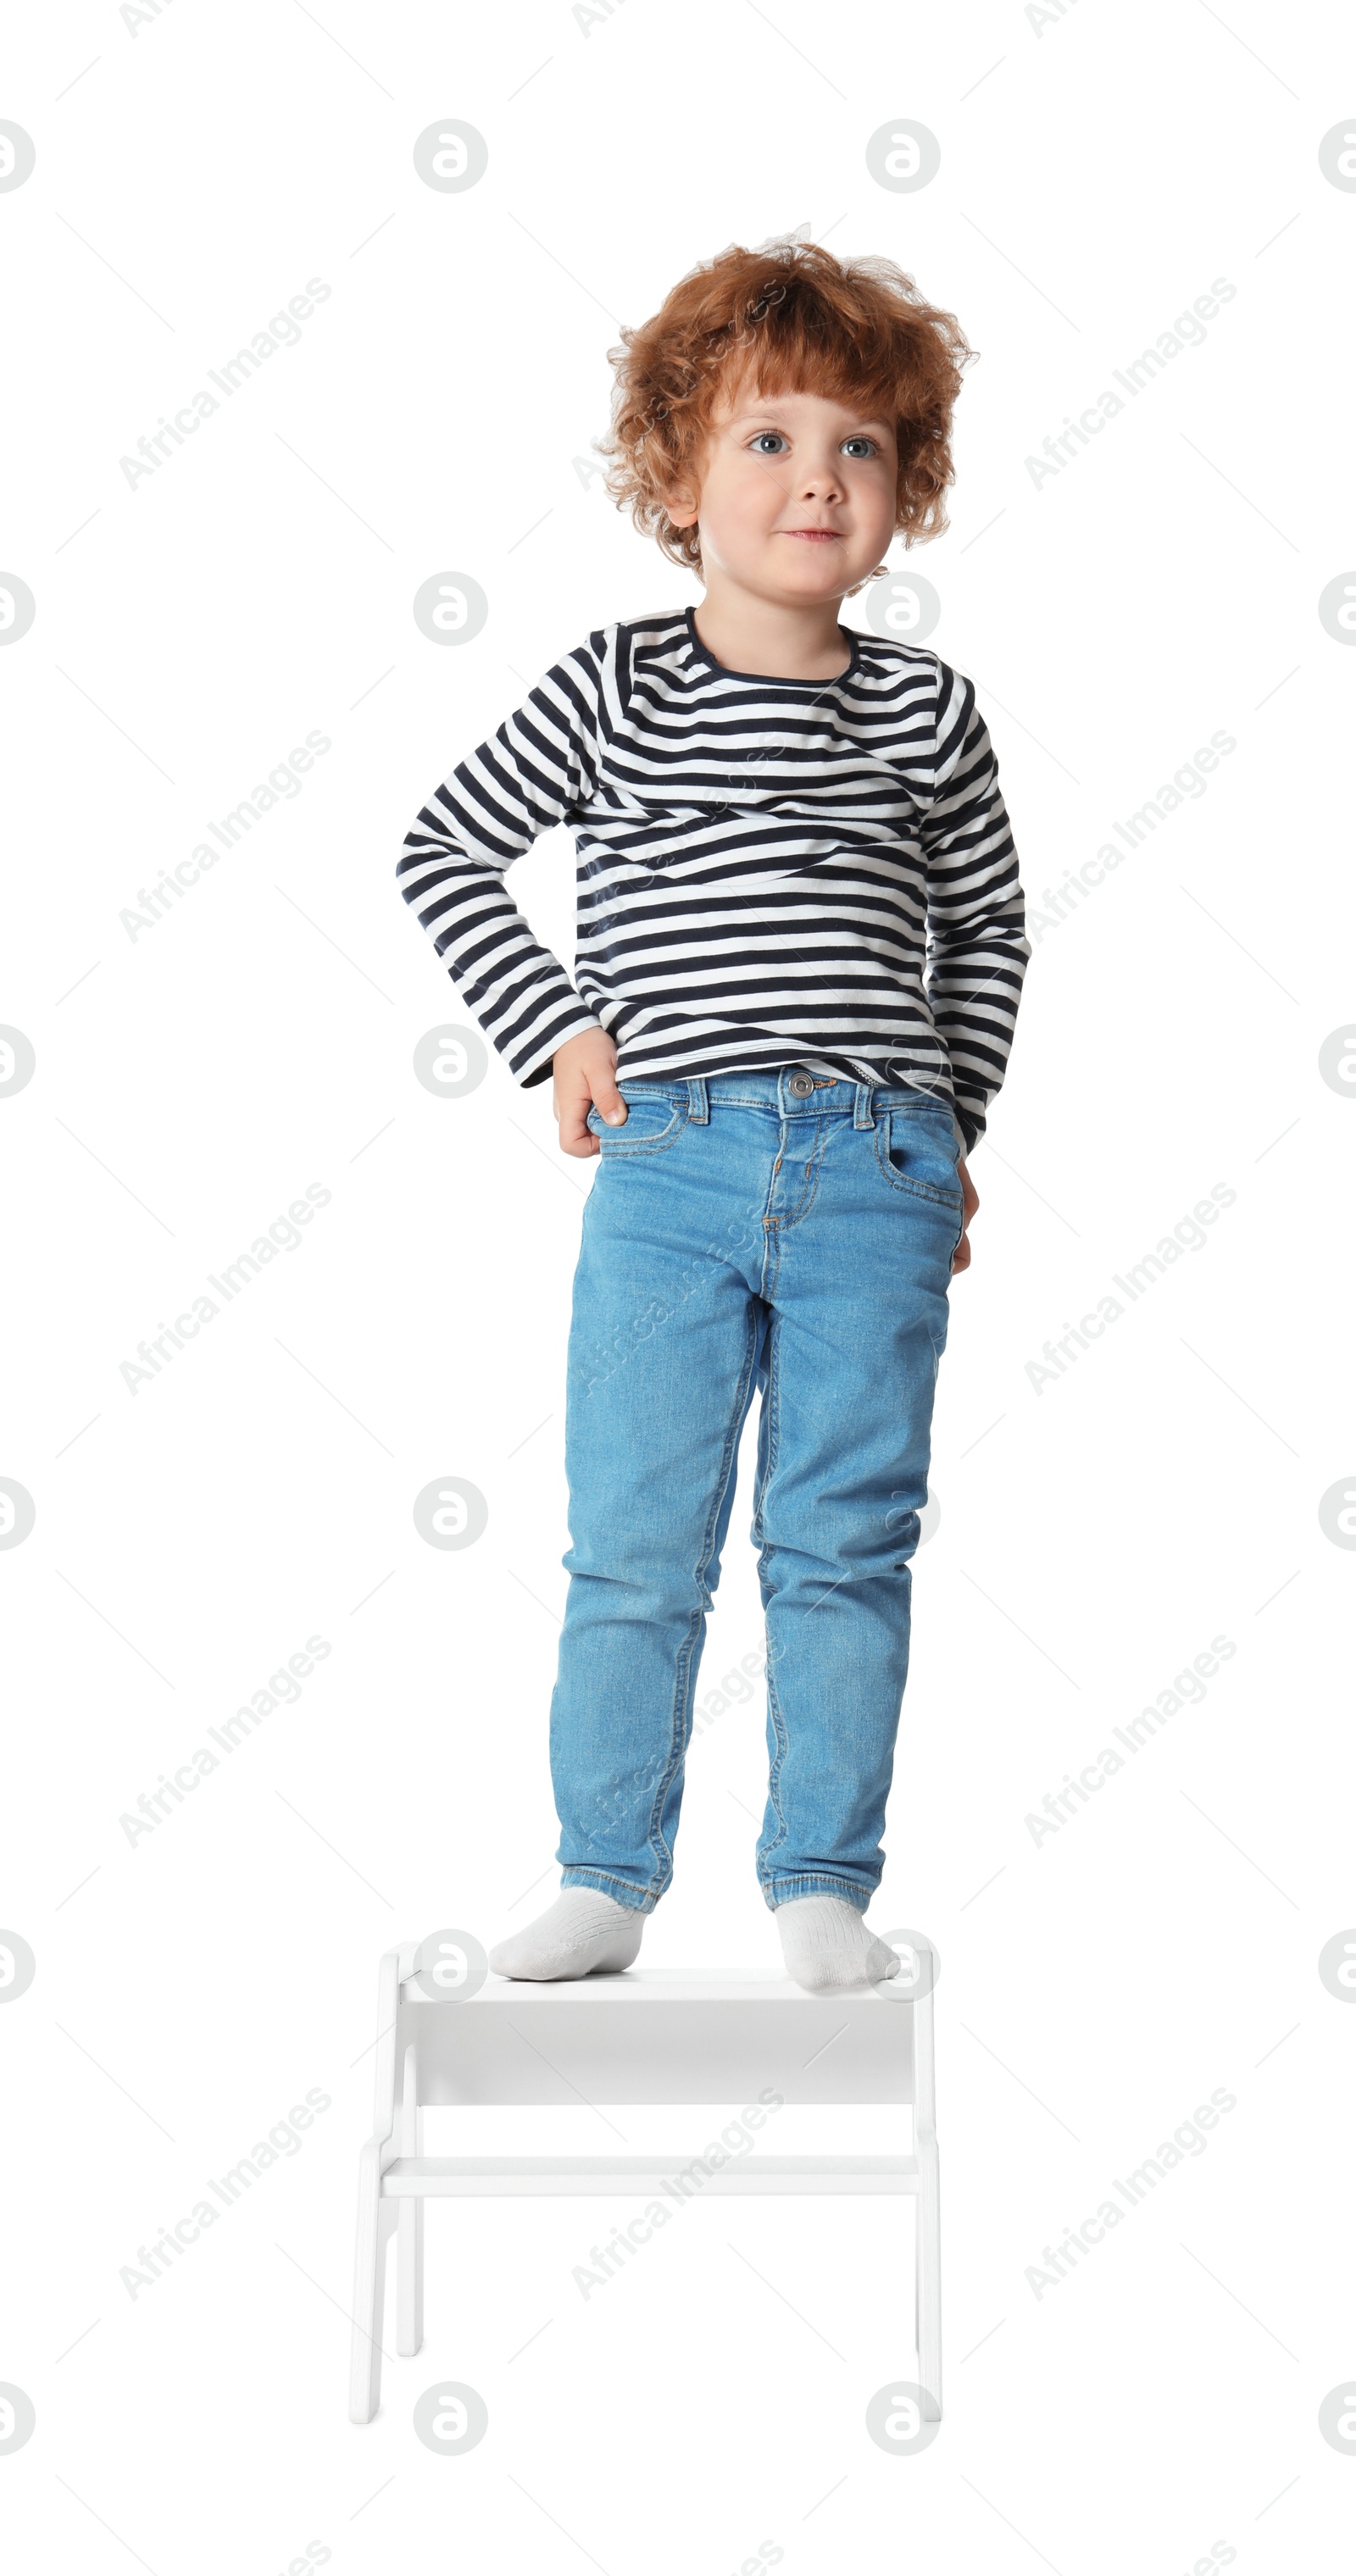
(770, 870)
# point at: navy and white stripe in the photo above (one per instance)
(762, 864)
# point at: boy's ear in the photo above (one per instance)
(681, 506)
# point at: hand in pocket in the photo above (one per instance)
(960, 1258)
(584, 1077)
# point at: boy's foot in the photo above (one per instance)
(826, 1944)
(583, 1932)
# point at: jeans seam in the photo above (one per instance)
(774, 1776)
(831, 1880)
(584, 1869)
(772, 1401)
(773, 1708)
(810, 1185)
(661, 1144)
(678, 1740)
(680, 1733)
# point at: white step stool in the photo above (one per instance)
(642, 2036)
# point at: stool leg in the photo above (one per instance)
(928, 2276)
(928, 2239)
(410, 2277)
(410, 2238)
(376, 2217)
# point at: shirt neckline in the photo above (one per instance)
(775, 679)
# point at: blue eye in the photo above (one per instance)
(856, 439)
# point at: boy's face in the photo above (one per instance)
(777, 465)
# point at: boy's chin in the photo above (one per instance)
(811, 572)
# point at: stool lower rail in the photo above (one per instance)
(511, 2177)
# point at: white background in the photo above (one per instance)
(1097, 173)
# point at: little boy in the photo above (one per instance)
(800, 950)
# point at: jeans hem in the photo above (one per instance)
(640, 1901)
(809, 1882)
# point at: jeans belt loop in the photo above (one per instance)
(696, 1099)
(863, 1114)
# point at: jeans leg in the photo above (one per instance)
(665, 1340)
(860, 1321)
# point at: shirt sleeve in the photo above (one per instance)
(978, 948)
(533, 772)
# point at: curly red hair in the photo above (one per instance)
(792, 319)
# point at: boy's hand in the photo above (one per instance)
(583, 1076)
(960, 1259)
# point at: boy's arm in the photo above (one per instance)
(978, 948)
(496, 803)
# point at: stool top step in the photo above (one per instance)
(654, 1986)
(648, 2035)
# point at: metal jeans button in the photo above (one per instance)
(800, 1083)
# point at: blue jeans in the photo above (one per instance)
(743, 1232)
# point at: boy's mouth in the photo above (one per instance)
(817, 536)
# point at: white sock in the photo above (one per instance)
(581, 1933)
(826, 1944)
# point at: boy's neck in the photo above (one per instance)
(773, 639)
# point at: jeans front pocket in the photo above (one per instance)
(918, 1153)
(654, 1119)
